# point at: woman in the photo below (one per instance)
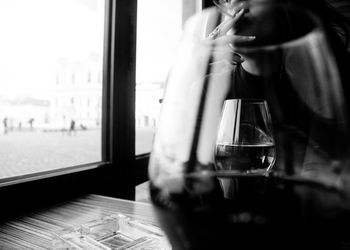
(305, 124)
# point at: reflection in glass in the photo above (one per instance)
(159, 27)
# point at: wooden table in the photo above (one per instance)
(34, 231)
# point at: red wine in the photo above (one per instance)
(245, 158)
(265, 216)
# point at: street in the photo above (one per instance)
(25, 152)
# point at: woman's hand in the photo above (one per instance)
(225, 33)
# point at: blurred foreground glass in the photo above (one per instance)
(277, 53)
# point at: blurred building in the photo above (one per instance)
(77, 93)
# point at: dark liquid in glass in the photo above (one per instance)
(245, 158)
(264, 215)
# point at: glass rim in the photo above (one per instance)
(247, 100)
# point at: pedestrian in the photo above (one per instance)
(72, 127)
(4, 121)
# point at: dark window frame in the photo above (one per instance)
(120, 170)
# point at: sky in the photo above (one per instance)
(159, 29)
(36, 34)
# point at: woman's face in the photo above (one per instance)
(267, 23)
(264, 21)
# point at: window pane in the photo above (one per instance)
(50, 84)
(159, 27)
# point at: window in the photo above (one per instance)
(47, 47)
(159, 27)
(41, 45)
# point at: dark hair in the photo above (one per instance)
(336, 24)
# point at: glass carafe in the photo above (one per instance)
(253, 50)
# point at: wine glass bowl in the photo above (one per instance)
(245, 142)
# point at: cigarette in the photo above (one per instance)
(221, 29)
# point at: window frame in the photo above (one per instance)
(116, 175)
(120, 170)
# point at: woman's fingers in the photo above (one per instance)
(233, 39)
(239, 38)
(224, 33)
(239, 14)
(221, 29)
(226, 25)
(233, 8)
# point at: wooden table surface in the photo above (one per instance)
(35, 230)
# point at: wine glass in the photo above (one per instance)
(287, 63)
(245, 143)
